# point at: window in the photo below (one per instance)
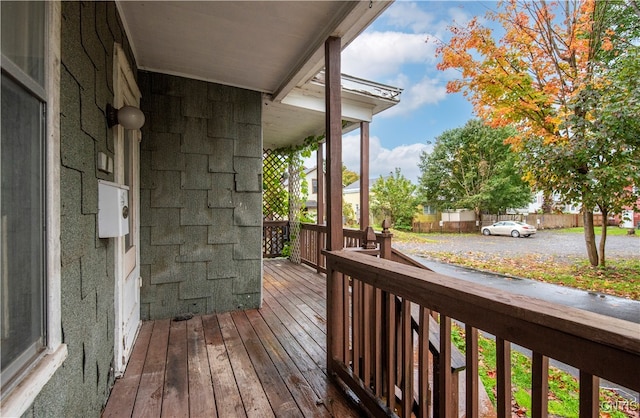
(314, 186)
(30, 326)
(428, 210)
(22, 213)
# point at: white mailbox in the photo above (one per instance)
(113, 209)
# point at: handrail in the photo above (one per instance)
(595, 344)
(313, 238)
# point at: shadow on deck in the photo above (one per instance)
(257, 363)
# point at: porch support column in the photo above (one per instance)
(335, 280)
(364, 175)
(320, 183)
(334, 144)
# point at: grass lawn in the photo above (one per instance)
(620, 277)
(611, 231)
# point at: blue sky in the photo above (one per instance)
(398, 49)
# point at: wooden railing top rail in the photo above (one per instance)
(600, 345)
(266, 222)
(347, 232)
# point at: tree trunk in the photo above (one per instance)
(547, 203)
(590, 237)
(603, 237)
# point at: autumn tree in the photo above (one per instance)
(393, 197)
(472, 167)
(348, 176)
(563, 74)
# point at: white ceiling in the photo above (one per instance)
(274, 47)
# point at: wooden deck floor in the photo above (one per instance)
(255, 363)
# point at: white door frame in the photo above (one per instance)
(127, 263)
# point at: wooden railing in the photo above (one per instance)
(313, 240)
(380, 322)
(274, 236)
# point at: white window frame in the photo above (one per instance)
(27, 386)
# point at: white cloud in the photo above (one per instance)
(382, 160)
(427, 91)
(409, 15)
(381, 55)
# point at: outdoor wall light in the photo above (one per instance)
(130, 117)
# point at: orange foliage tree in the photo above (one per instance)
(552, 75)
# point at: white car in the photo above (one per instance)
(514, 228)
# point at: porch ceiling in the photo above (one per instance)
(275, 47)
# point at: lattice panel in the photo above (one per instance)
(295, 208)
(275, 197)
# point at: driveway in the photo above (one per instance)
(547, 244)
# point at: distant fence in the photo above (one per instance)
(540, 221)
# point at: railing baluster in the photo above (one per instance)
(539, 386)
(445, 386)
(346, 320)
(335, 315)
(503, 375)
(377, 342)
(424, 397)
(471, 371)
(407, 360)
(357, 325)
(390, 346)
(589, 395)
(367, 319)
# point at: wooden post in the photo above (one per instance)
(320, 181)
(503, 377)
(335, 240)
(320, 211)
(334, 144)
(471, 357)
(445, 386)
(540, 385)
(364, 175)
(589, 395)
(385, 241)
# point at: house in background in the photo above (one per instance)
(311, 204)
(351, 195)
(217, 82)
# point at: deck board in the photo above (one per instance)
(150, 392)
(199, 372)
(256, 363)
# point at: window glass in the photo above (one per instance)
(23, 36)
(22, 227)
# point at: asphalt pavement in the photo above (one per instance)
(616, 307)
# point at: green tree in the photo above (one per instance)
(348, 176)
(472, 167)
(563, 74)
(394, 198)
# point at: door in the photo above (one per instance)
(127, 248)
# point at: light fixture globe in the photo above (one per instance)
(129, 117)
